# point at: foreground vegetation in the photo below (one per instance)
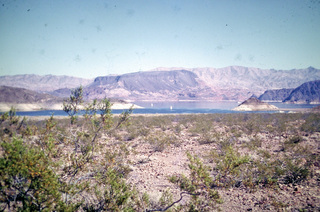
(99, 162)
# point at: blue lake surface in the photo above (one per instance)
(179, 107)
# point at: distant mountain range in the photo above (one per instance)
(230, 83)
(46, 83)
(308, 92)
(166, 84)
(27, 100)
(25, 96)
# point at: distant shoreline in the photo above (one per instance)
(4, 107)
(161, 109)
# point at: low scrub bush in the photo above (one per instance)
(312, 123)
(198, 185)
(160, 141)
(81, 163)
(209, 137)
(58, 166)
(28, 182)
(230, 166)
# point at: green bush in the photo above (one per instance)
(295, 173)
(27, 180)
(230, 165)
(56, 166)
(199, 185)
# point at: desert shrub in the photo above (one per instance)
(27, 181)
(11, 124)
(87, 161)
(4, 117)
(229, 166)
(200, 128)
(178, 128)
(283, 123)
(144, 131)
(12, 116)
(266, 171)
(312, 123)
(209, 137)
(254, 143)
(294, 172)
(264, 153)
(293, 140)
(116, 195)
(166, 198)
(71, 105)
(162, 122)
(164, 203)
(250, 127)
(160, 141)
(199, 185)
(49, 165)
(287, 169)
(225, 143)
(235, 131)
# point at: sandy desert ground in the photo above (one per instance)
(256, 162)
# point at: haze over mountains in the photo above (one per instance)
(44, 83)
(168, 84)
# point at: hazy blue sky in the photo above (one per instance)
(89, 38)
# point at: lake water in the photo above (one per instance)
(179, 107)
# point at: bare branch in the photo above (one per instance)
(168, 207)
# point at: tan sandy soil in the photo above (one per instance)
(150, 172)
(150, 169)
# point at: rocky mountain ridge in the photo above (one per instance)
(170, 84)
(308, 92)
(277, 95)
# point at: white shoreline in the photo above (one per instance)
(4, 107)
